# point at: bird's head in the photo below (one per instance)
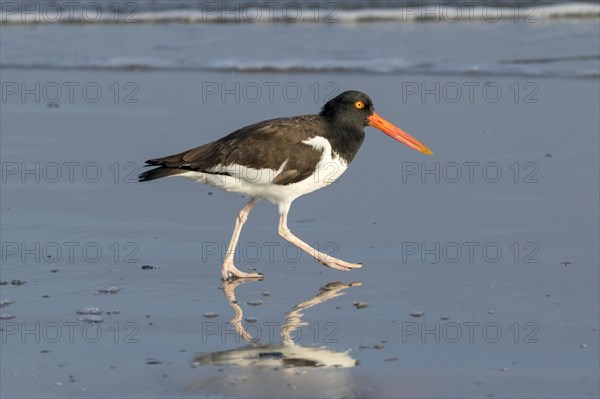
(355, 109)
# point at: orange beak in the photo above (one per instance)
(397, 134)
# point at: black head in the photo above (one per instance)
(351, 111)
(351, 108)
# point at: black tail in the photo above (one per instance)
(157, 173)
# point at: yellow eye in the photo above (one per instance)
(359, 105)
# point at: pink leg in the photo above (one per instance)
(325, 259)
(229, 270)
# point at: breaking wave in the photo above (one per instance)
(327, 12)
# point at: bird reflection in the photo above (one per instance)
(288, 353)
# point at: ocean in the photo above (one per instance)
(537, 39)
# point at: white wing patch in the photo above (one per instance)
(247, 174)
(319, 143)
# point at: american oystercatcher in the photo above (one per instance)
(280, 160)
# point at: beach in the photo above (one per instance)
(480, 274)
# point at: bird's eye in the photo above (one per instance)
(359, 105)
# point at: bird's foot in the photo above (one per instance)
(339, 264)
(230, 272)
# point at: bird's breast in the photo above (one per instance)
(330, 167)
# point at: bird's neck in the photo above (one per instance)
(345, 139)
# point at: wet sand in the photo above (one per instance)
(522, 322)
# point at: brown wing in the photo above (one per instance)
(268, 144)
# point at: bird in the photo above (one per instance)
(279, 160)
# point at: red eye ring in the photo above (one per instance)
(359, 105)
